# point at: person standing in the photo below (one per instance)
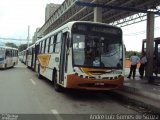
(134, 61)
(143, 62)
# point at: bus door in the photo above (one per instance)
(32, 58)
(63, 58)
(8, 58)
(157, 55)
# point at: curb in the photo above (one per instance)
(143, 93)
(138, 98)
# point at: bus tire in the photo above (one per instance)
(13, 64)
(5, 66)
(39, 74)
(57, 87)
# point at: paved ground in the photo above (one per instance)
(22, 92)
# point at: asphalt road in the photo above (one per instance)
(21, 92)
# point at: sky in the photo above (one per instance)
(17, 15)
(135, 33)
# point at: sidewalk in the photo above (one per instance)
(141, 93)
(143, 85)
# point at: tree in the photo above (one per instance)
(129, 53)
(8, 44)
(22, 47)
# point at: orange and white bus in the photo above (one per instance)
(8, 57)
(82, 55)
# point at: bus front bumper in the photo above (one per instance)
(1, 65)
(77, 82)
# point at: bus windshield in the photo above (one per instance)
(97, 47)
(2, 54)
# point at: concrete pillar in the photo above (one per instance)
(97, 14)
(150, 44)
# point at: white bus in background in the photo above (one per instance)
(8, 57)
(22, 56)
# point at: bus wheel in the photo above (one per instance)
(57, 87)
(13, 64)
(5, 66)
(39, 74)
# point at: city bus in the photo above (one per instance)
(30, 57)
(8, 57)
(82, 55)
(22, 56)
(156, 59)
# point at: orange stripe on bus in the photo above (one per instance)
(74, 81)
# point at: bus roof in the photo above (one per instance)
(158, 38)
(69, 25)
(5, 47)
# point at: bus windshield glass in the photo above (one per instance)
(2, 54)
(97, 46)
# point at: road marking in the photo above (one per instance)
(55, 112)
(33, 82)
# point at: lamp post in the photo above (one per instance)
(28, 35)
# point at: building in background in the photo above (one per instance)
(35, 36)
(50, 9)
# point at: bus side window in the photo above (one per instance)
(58, 42)
(47, 45)
(6, 53)
(51, 44)
(54, 42)
(10, 53)
(14, 53)
(30, 51)
(33, 51)
(43, 46)
(40, 50)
